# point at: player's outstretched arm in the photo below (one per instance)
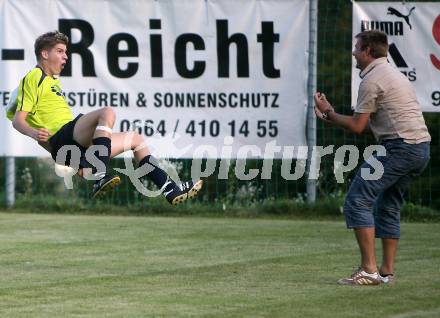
(20, 124)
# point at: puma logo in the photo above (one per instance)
(393, 11)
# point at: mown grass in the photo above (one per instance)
(114, 266)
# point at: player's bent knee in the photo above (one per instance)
(134, 139)
(138, 139)
(109, 115)
(139, 143)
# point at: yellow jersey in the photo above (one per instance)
(41, 96)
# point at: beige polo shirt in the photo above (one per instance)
(389, 97)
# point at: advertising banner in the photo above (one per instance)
(413, 30)
(192, 76)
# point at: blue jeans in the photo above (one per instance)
(377, 203)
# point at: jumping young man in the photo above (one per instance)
(41, 112)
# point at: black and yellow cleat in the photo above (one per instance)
(102, 186)
(185, 191)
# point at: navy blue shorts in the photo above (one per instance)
(64, 137)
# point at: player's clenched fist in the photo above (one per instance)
(42, 134)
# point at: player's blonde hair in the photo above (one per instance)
(47, 41)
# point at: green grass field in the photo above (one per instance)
(110, 266)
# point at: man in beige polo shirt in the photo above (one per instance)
(387, 106)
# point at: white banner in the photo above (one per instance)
(185, 73)
(414, 37)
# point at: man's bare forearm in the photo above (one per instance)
(20, 123)
(346, 122)
(324, 110)
(24, 128)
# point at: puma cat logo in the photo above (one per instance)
(393, 11)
